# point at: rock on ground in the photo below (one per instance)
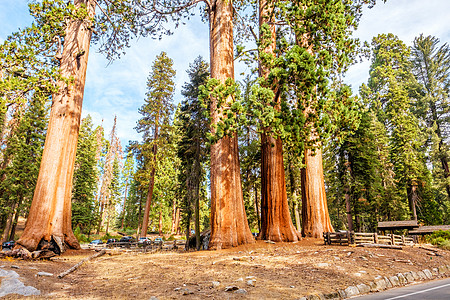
(12, 285)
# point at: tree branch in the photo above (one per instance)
(107, 16)
(177, 10)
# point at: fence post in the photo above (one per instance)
(375, 238)
(392, 239)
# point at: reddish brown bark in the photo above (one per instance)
(177, 222)
(315, 217)
(173, 229)
(276, 222)
(175, 219)
(50, 213)
(229, 226)
(413, 198)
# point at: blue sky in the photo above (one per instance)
(119, 89)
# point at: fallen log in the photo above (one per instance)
(380, 246)
(98, 254)
(429, 249)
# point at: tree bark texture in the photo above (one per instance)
(315, 217)
(257, 209)
(413, 197)
(276, 221)
(9, 222)
(173, 228)
(50, 213)
(229, 226)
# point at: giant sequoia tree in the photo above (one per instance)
(322, 50)
(49, 218)
(276, 222)
(229, 226)
(71, 24)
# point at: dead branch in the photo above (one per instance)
(98, 254)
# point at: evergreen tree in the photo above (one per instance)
(115, 191)
(391, 84)
(24, 150)
(431, 67)
(157, 112)
(250, 157)
(85, 178)
(193, 126)
(127, 175)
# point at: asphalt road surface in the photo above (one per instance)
(433, 290)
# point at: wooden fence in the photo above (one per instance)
(347, 238)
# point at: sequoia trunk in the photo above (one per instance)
(229, 226)
(49, 218)
(315, 217)
(276, 222)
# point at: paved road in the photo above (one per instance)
(435, 290)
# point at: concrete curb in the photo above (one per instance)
(383, 283)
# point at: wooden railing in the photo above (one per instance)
(346, 238)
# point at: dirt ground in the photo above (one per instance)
(265, 271)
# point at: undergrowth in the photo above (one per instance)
(440, 238)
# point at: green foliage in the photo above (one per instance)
(80, 236)
(193, 127)
(22, 156)
(440, 238)
(391, 86)
(157, 151)
(431, 68)
(156, 113)
(85, 178)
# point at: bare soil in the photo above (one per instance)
(278, 271)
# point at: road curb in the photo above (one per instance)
(383, 283)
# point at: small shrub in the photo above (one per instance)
(440, 238)
(130, 231)
(80, 237)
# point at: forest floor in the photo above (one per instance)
(263, 270)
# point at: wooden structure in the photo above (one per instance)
(359, 238)
(422, 230)
(397, 225)
(341, 238)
